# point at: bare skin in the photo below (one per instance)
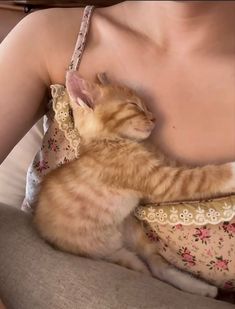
(2, 306)
(179, 55)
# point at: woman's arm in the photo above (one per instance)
(24, 80)
(1, 305)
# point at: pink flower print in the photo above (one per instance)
(187, 257)
(229, 229)
(52, 144)
(165, 247)
(41, 165)
(152, 235)
(220, 242)
(195, 247)
(229, 285)
(220, 264)
(178, 227)
(65, 160)
(203, 234)
(55, 132)
(208, 252)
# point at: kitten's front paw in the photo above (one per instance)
(233, 171)
(142, 268)
(230, 185)
(208, 291)
(211, 291)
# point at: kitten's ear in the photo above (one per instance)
(82, 91)
(102, 78)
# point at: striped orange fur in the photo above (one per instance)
(85, 206)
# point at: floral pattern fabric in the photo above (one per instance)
(60, 145)
(206, 251)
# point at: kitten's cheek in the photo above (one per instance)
(142, 133)
(141, 130)
(148, 133)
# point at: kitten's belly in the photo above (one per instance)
(114, 204)
(119, 206)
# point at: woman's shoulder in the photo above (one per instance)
(60, 29)
(55, 16)
(52, 24)
(49, 22)
(53, 32)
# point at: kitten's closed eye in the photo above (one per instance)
(143, 108)
(137, 105)
(133, 103)
(148, 114)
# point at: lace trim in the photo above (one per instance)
(61, 107)
(198, 213)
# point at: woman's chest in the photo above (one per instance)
(195, 111)
(193, 98)
(193, 102)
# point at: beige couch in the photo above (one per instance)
(34, 275)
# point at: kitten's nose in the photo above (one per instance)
(152, 118)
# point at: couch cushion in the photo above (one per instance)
(34, 275)
(13, 170)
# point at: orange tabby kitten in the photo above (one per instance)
(85, 206)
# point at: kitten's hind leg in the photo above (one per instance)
(137, 240)
(128, 259)
(182, 280)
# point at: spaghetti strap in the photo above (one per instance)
(81, 40)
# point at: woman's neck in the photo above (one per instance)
(185, 26)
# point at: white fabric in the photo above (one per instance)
(13, 170)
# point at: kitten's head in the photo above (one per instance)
(104, 109)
